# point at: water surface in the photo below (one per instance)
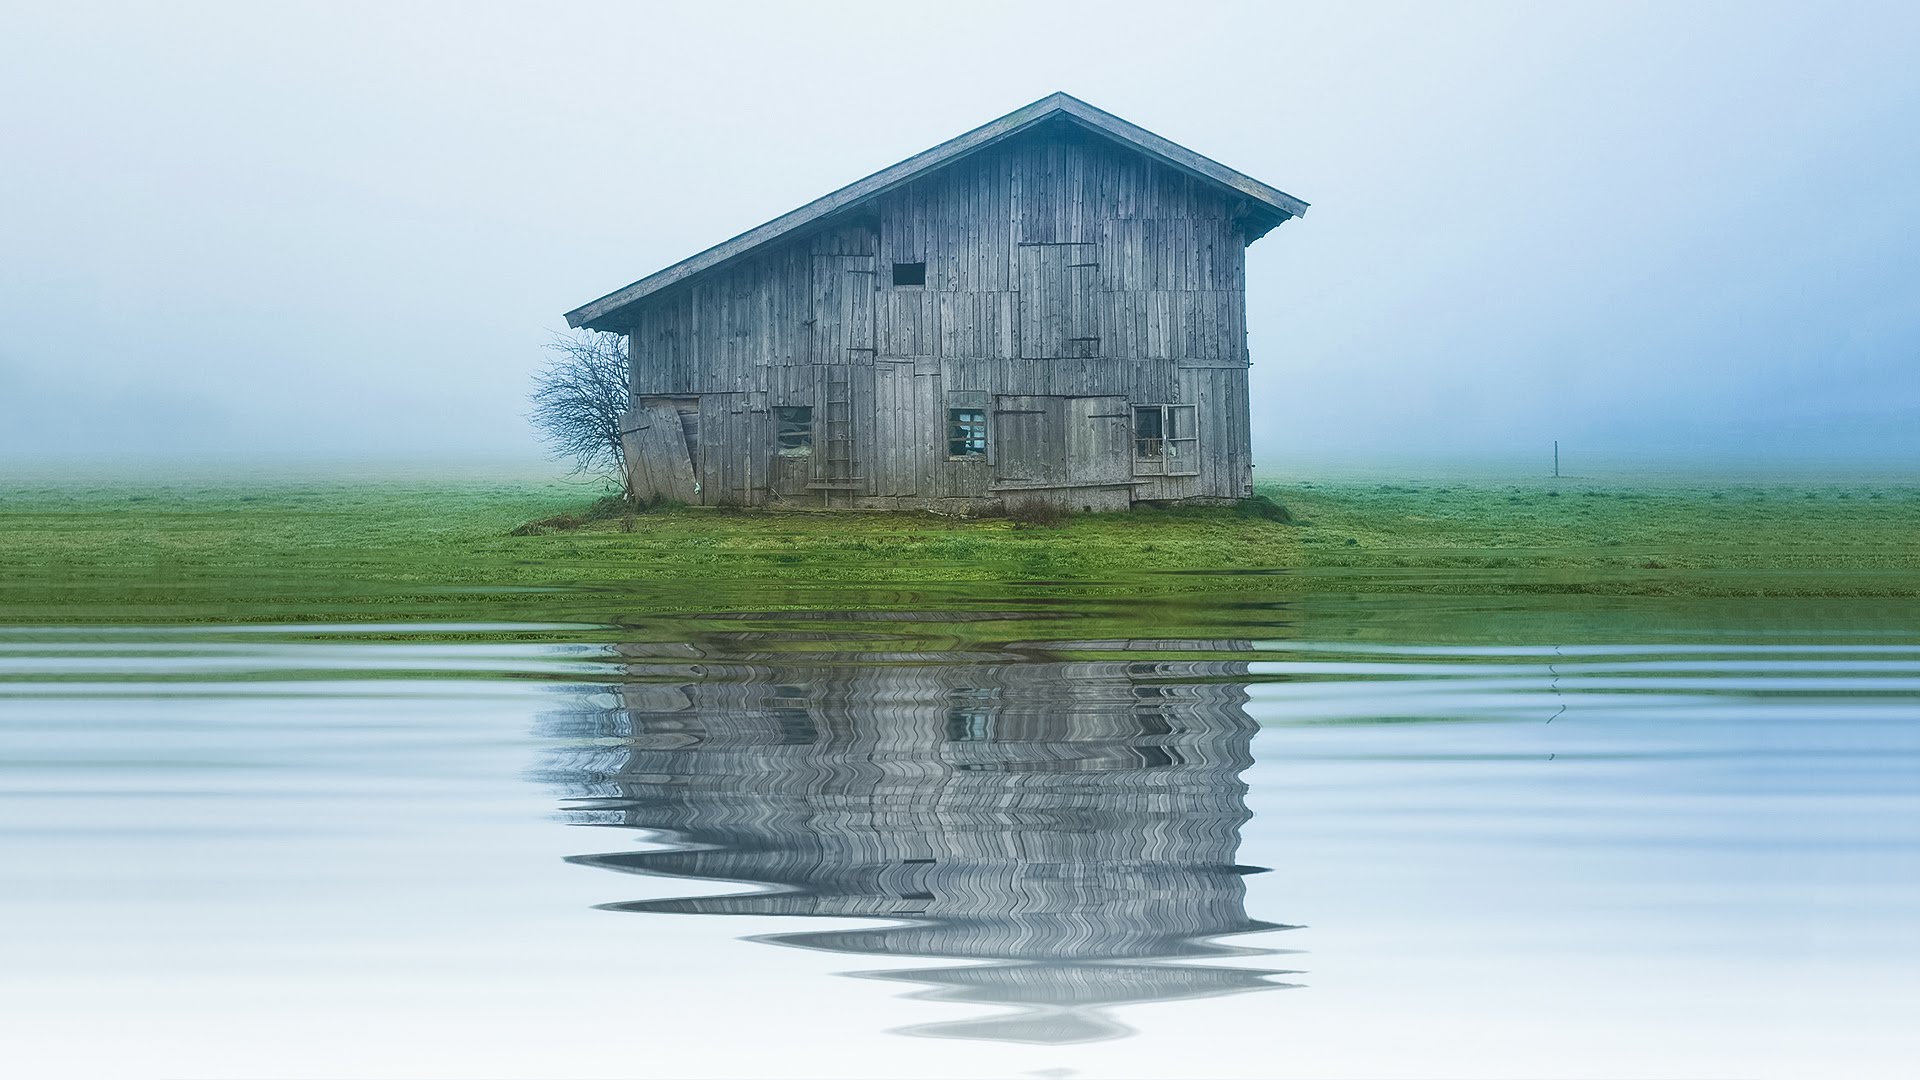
(970, 833)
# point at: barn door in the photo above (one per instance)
(656, 443)
(1025, 439)
(898, 454)
(842, 316)
(1099, 440)
(1061, 442)
(1057, 297)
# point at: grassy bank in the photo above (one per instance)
(367, 542)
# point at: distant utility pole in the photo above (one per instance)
(1556, 459)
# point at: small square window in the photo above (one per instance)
(794, 430)
(966, 433)
(910, 273)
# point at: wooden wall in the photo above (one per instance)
(1058, 265)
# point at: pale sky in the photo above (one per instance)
(261, 230)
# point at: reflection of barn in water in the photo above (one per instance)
(1074, 825)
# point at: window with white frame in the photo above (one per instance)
(1166, 440)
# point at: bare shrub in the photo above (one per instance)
(1036, 512)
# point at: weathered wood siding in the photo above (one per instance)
(1059, 266)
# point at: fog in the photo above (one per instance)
(252, 232)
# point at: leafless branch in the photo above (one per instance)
(578, 396)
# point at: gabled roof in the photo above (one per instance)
(1282, 205)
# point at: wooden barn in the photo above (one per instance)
(1051, 306)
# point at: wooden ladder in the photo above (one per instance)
(838, 480)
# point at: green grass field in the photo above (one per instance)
(232, 547)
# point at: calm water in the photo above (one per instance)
(1039, 832)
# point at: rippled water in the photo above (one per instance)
(1013, 834)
